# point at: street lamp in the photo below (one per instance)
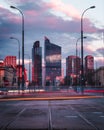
(18, 58)
(29, 66)
(77, 43)
(76, 57)
(82, 71)
(22, 45)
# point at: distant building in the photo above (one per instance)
(72, 68)
(72, 65)
(10, 60)
(89, 69)
(9, 72)
(7, 76)
(37, 64)
(89, 63)
(98, 77)
(52, 58)
(19, 76)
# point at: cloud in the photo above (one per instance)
(100, 51)
(59, 6)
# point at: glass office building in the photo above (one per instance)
(52, 58)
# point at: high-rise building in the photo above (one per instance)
(72, 65)
(37, 64)
(89, 63)
(73, 68)
(52, 58)
(89, 69)
(10, 60)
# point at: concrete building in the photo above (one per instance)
(98, 77)
(7, 76)
(8, 71)
(89, 69)
(73, 69)
(10, 60)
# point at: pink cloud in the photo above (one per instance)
(68, 10)
(6, 15)
(31, 13)
(88, 27)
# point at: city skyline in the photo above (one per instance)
(58, 20)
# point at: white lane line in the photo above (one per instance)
(96, 112)
(102, 116)
(50, 116)
(87, 121)
(71, 116)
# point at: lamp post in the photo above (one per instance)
(22, 45)
(82, 71)
(77, 60)
(77, 43)
(29, 65)
(18, 58)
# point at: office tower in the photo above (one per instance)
(89, 63)
(72, 65)
(37, 64)
(10, 60)
(73, 68)
(52, 58)
(89, 69)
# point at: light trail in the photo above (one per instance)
(48, 98)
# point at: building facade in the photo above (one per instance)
(37, 64)
(73, 69)
(89, 69)
(7, 76)
(10, 60)
(98, 77)
(52, 58)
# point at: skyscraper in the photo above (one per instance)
(73, 68)
(52, 58)
(89, 63)
(72, 65)
(37, 64)
(89, 69)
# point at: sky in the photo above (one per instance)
(59, 20)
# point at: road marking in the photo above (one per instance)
(71, 116)
(16, 117)
(97, 112)
(102, 116)
(50, 116)
(86, 120)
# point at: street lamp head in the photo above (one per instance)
(92, 7)
(11, 38)
(84, 37)
(12, 7)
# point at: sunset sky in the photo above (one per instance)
(59, 20)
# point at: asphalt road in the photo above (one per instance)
(79, 114)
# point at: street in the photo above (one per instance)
(78, 114)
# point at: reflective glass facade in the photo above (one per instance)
(52, 60)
